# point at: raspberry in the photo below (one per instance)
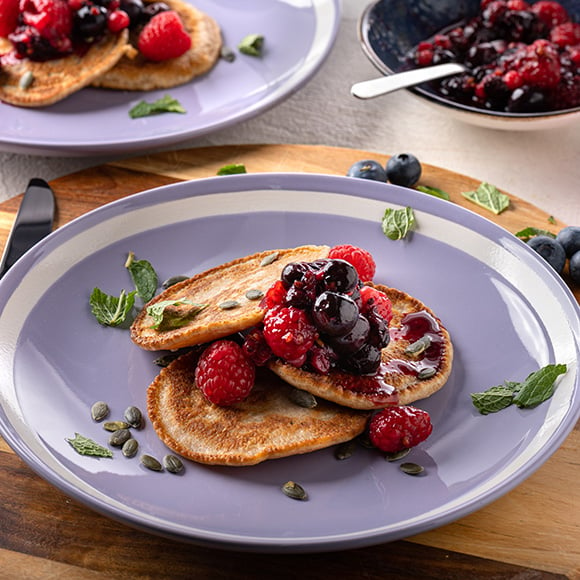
(540, 66)
(396, 428)
(52, 19)
(359, 258)
(551, 13)
(512, 79)
(567, 34)
(224, 374)
(275, 296)
(373, 298)
(517, 5)
(164, 37)
(256, 347)
(289, 333)
(8, 16)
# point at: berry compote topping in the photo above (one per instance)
(521, 58)
(316, 319)
(51, 29)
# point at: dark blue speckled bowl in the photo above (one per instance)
(388, 29)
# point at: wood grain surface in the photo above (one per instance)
(530, 533)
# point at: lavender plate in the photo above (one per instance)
(506, 310)
(298, 38)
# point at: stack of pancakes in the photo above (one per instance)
(112, 62)
(269, 423)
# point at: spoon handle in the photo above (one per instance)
(388, 84)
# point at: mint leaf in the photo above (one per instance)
(434, 191)
(489, 197)
(232, 169)
(397, 223)
(252, 45)
(86, 446)
(170, 314)
(539, 386)
(144, 277)
(166, 104)
(493, 400)
(111, 310)
(531, 232)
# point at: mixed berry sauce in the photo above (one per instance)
(520, 58)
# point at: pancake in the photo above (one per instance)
(134, 73)
(266, 425)
(213, 287)
(56, 79)
(402, 382)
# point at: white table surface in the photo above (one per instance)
(542, 167)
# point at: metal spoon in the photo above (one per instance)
(403, 80)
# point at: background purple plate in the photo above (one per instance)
(298, 38)
(506, 310)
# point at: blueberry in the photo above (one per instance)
(403, 169)
(569, 237)
(335, 314)
(367, 169)
(575, 267)
(551, 250)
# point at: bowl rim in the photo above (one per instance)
(437, 99)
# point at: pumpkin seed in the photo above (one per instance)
(228, 304)
(294, 490)
(130, 448)
(345, 450)
(134, 417)
(173, 464)
(364, 440)
(99, 411)
(120, 437)
(172, 281)
(227, 54)
(303, 398)
(419, 346)
(269, 259)
(397, 455)
(26, 80)
(115, 425)
(151, 463)
(254, 294)
(426, 373)
(411, 468)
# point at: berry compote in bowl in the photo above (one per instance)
(522, 58)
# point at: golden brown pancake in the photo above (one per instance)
(266, 425)
(407, 386)
(56, 79)
(133, 72)
(214, 287)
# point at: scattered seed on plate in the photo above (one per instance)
(397, 455)
(172, 281)
(134, 417)
(115, 425)
(345, 450)
(294, 490)
(173, 464)
(120, 437)
(130, 448)
(99, 411)
(151, 463)
(411, 468)
(227, 54)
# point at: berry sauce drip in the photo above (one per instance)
(418, 326)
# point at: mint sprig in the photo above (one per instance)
(144, 277)
(171, 314)
(85, 446)
(538, 387)
(397, 223)
(111, 310)
(489, 197)
(531, 232)
(232, 169)
(434, 191)
(166, 104)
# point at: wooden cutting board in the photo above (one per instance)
(532, 532)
